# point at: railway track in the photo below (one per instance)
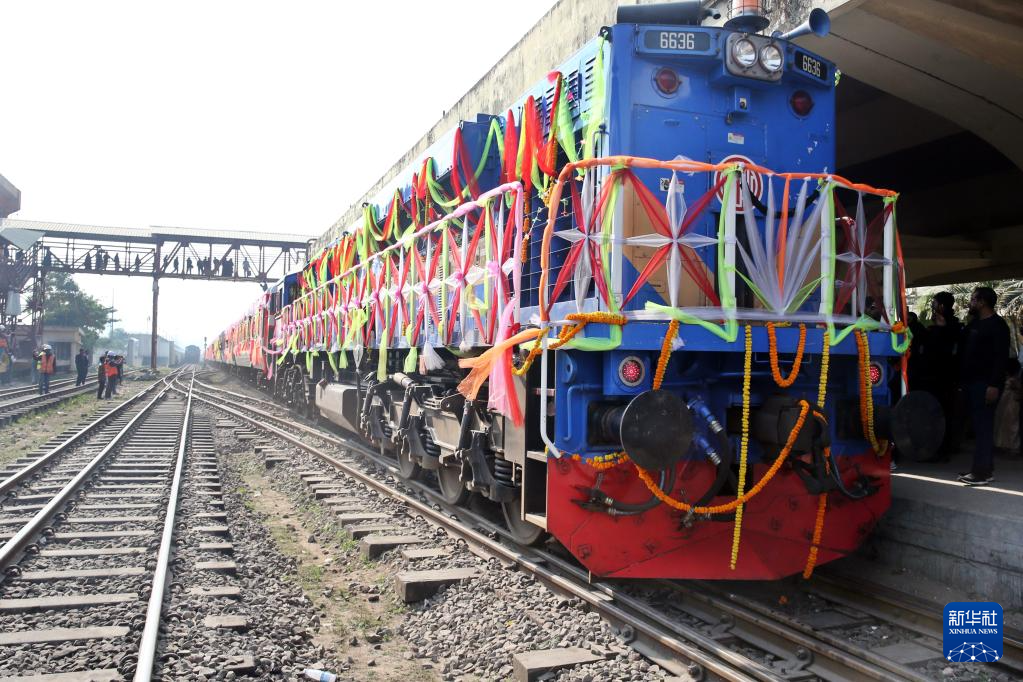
(86, 531)
(17, 403)
(30, 389)
(721, 630)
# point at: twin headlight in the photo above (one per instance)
(745, 54)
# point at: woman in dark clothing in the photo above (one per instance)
(940, 372)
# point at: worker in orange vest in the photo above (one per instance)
(47, 366)
(111, 371)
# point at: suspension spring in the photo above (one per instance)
(432, 449)
(504, 472)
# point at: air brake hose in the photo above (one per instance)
(667, 482)
(836, 476)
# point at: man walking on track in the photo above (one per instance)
(984, 352)
(82, 366)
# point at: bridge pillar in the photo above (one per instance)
(153, 339)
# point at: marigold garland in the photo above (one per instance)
(796, 362)
(654, 489)
(605, 462)
(822, 498)
(743, 444)
(866, 395)
(567, 333)
(818, 528)
(662, 359)
(822, 387)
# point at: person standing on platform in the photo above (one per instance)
(915, 369)
(984, 354)
(82, 366)
(47, 364)
(1007, 411)
(940, 375)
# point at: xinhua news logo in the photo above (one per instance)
(973, 631)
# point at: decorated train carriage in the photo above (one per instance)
(638, 311)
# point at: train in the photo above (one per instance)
(638, 311)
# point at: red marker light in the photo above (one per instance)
(801, 103)
(631, 371)
(875, 374)
(667, 80)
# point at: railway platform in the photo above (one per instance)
(944, 541)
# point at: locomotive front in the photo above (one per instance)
(738, 423)
(639, 311)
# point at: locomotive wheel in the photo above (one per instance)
(523, 532)
(451, 487)
(408, 468)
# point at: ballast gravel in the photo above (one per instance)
(471, 630)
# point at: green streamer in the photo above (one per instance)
(728, 332)
(595, 113)
(411, 360)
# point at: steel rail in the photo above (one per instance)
(757, 624)
(10, 551)
(64, 392)
(31, 388)
(151, 631)
(763, 625)
(215, 389)
(766, 624)
(57, 388)
(13, 480)
(714, 662)
(923, 618)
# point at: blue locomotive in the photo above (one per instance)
(638, 310)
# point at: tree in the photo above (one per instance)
(68, 306)
(1009, 306)
(1010, 298)
(117, 340)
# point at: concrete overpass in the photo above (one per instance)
(931, 104)
(10, 198)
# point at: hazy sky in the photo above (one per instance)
(270, 116)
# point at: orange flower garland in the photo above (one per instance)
(654, 489)
(796, 362)
(662, 359)
(567, 333)
(818, 530)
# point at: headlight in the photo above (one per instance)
(771, 58)
(745, 53)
